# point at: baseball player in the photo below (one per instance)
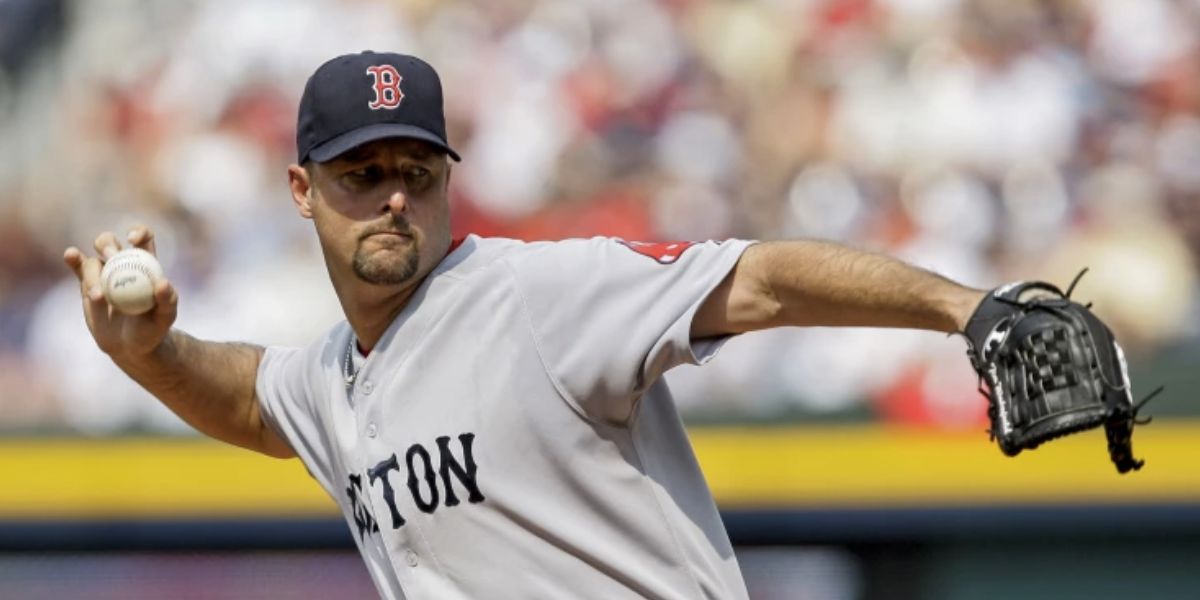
(491, 416)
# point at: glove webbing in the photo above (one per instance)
(1119, 426)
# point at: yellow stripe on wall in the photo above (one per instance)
(152, 478)
(864, 466)
(801, 466)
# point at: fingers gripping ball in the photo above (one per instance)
(128, 280)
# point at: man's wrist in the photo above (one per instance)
(159, 353)
(963, 306)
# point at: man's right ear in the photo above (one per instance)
(302, 189)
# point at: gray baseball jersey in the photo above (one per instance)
(510, 435)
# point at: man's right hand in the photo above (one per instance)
(117, 334)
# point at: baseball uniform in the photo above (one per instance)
(510, 435)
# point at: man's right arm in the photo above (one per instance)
(210, 385)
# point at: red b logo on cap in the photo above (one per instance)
(387, 87)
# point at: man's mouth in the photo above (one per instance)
(396, 234)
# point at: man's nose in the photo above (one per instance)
(396, 204)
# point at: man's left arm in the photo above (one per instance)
(815, 283)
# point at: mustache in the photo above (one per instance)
(394, 225)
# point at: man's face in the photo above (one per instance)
(381, 211)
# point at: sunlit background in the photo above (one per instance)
(989, 140)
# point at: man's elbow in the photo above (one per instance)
(743, 302)
(281, 452)
(271, 444)
(264, 438)
(753, 303)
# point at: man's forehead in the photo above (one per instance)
(409, 147)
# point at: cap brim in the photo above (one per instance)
(353, 139)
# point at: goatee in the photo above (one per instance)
(386, 272)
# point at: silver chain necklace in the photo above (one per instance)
(349, 373)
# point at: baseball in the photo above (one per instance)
(128, 280)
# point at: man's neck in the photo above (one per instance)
(370, 318)
(371, 311)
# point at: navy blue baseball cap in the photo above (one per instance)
(359, 98)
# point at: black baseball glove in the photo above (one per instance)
(1050, 368)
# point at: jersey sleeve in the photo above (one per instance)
(610, 316)
(285, 393)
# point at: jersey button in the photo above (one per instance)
(368, 387)
(371, 430)
(410, 557)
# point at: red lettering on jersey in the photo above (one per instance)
(387, 87)
(663, 252)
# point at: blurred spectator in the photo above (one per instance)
(26, 28)
(985, 139)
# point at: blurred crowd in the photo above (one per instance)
(988, 140)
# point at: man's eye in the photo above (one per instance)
(364, 175)
(417, 179)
